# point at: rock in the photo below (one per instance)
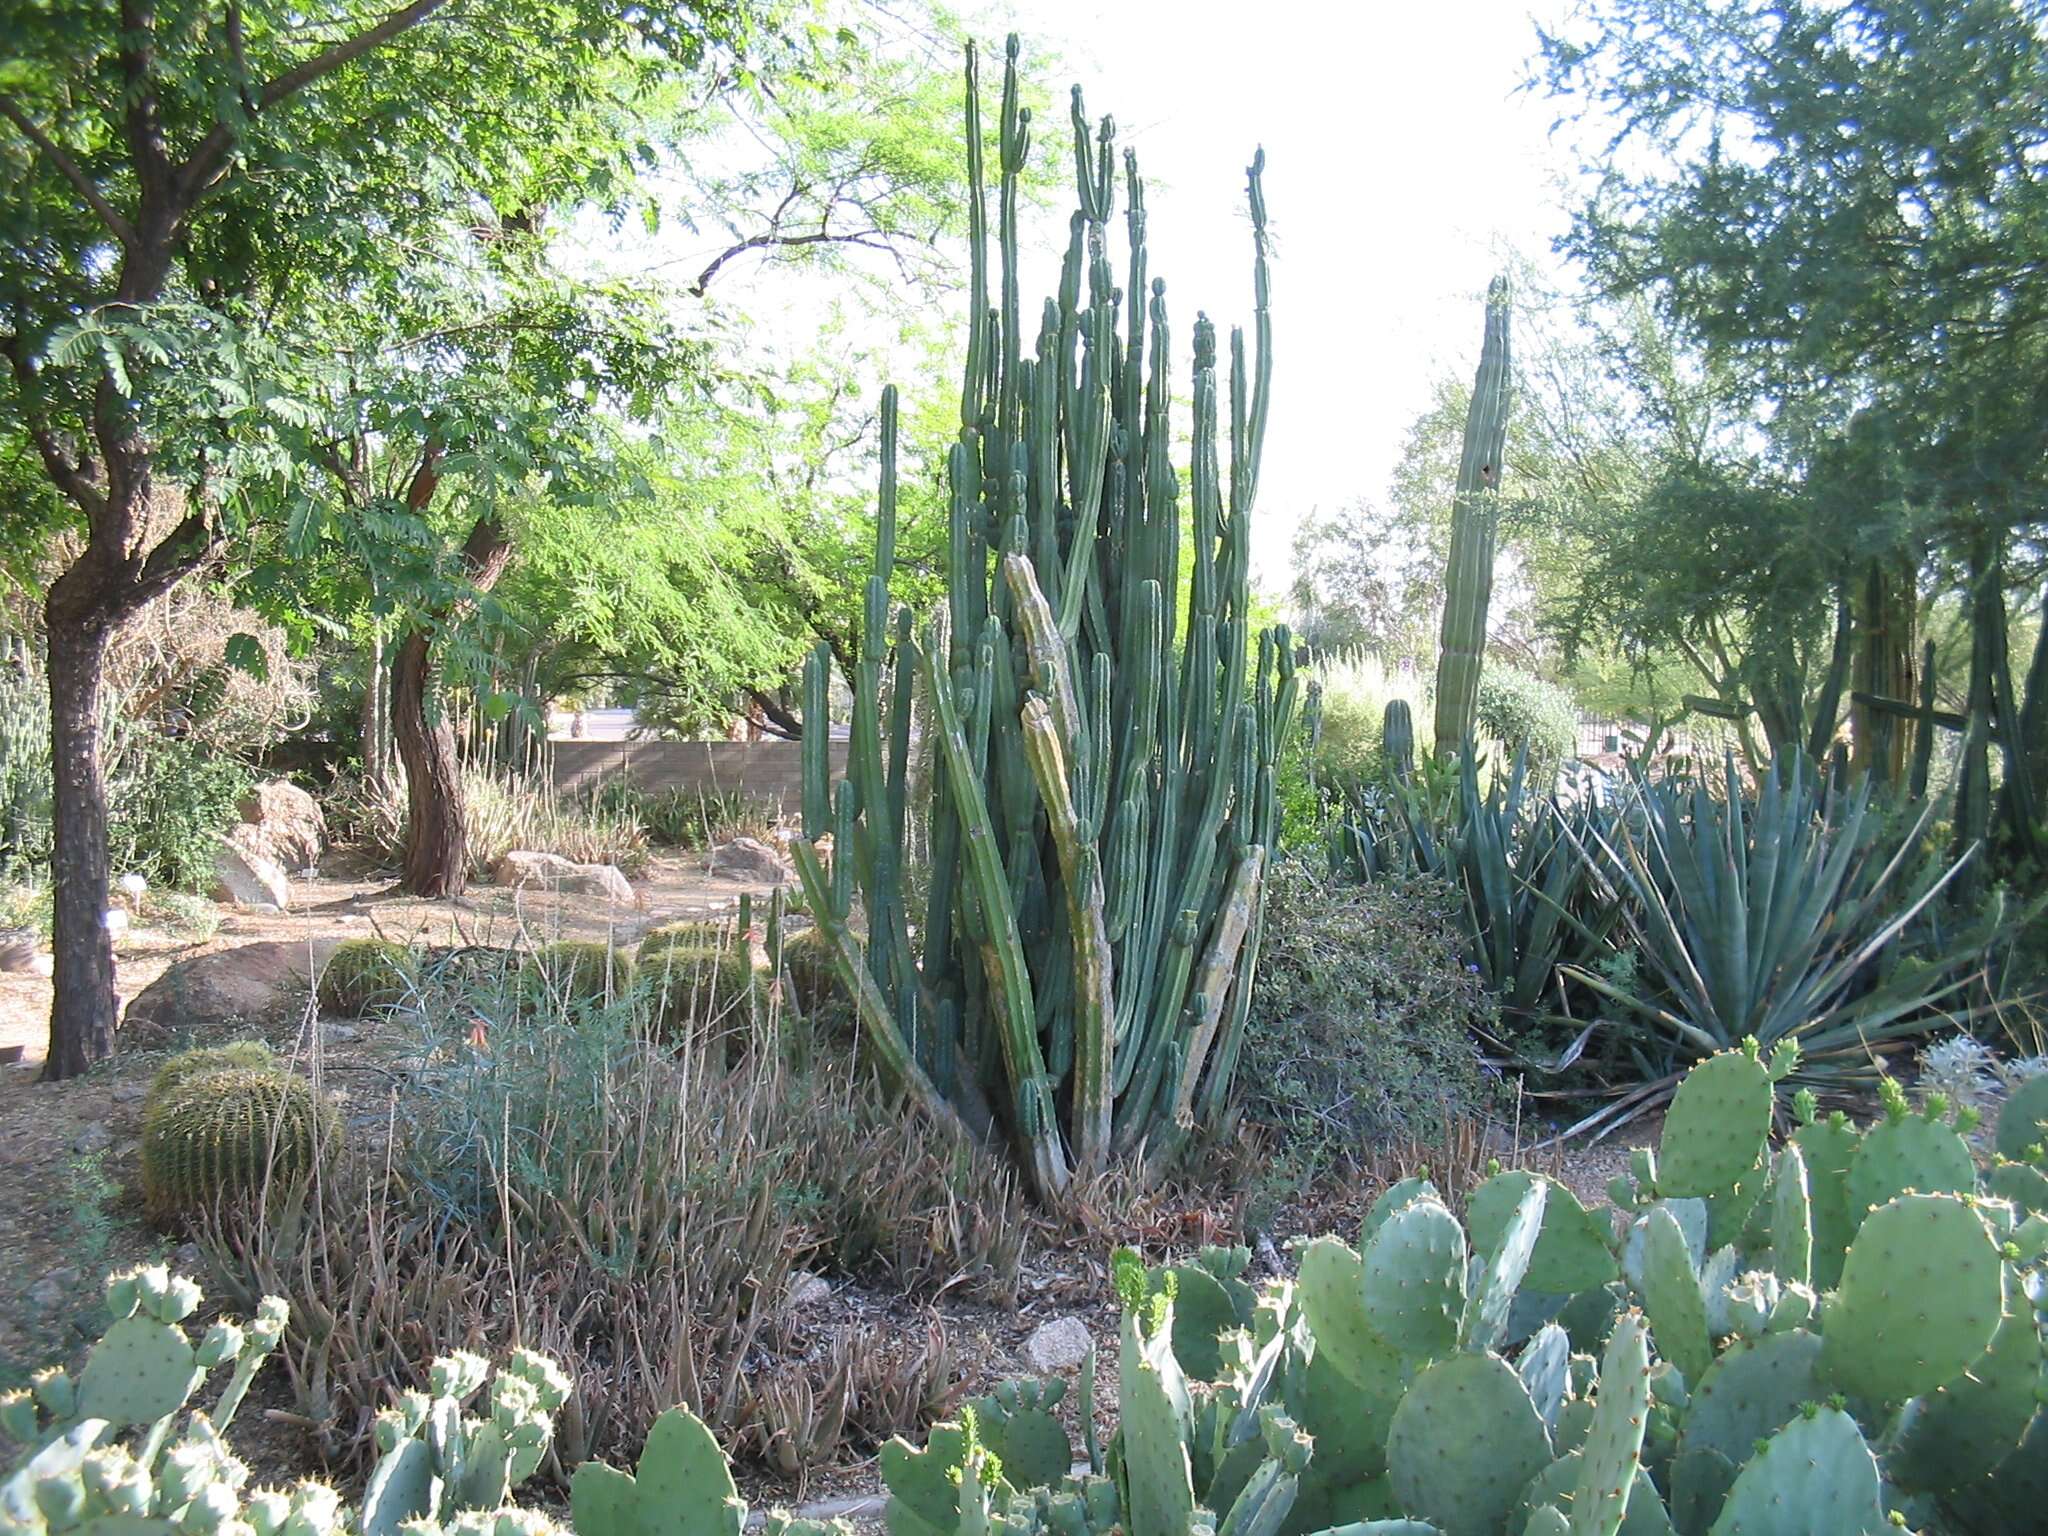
(289, 829)
(186, 1259)
(127, 1093)
(339, 1034)
(559, 874)
(244, 874)
(807, 1289)
(746, 859)
(1059, 1345)
(266, 980)
(18, 949)
(92, 1138)
(59, 1288)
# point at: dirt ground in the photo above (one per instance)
(69, 1151)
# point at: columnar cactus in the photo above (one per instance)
(1106, 734)
(1475, 521)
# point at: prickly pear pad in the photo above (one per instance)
(1922, 1292)
(1715, 1131)
(1815, 1475)
(1464, 1443)
(1414, 1279)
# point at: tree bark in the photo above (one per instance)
(1887, 613)
(82, 1014)
(437, 833)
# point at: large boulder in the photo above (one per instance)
(744, 858)
(244, 872)
(551, 870)
(18, 949)
(287, 827)
(253, 982)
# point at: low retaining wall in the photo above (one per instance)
(767, 770)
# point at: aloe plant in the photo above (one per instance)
(1775, 919)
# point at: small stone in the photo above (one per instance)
(523, 867)
(1059, 1345)
(127, 1093)
(93, 1138)
(56, 1289)
(186, 1259)
(807, 1289)
(339, 1034)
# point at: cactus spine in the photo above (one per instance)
(1104, 804)
(1475, 515)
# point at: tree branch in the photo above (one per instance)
(873, 239)
(71, 171)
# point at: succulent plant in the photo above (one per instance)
(231, 1131)
(574, 973)
(365, 975)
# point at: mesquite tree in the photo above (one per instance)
(172, 169)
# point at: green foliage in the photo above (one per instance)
(1524, 713)
(709, 989)
(231, 1131)
(1356, 689)
(364, 976)
(1362, 1027)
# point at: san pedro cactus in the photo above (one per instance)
(1106, 732)
(1475, 520)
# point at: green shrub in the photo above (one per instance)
(1361, 1025)
(229, 1131)
(1519, 709)
(364, 975)
(574, 971)
(1355, 688)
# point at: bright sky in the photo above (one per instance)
(1401, 161)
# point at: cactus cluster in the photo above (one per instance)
(698, 989)
(1106, 720)
(1743, 1348)
(229, 1121)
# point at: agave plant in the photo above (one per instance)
(1776, 919)
(1533, 905)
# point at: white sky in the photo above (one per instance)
(1402, 163)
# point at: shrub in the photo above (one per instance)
(1520, 710)
(650, 1195)
(573, 972)
(364, 975)
(694, 818)
(504, 812)
(1361, 1026)
(225, 1130)
(1355, 688)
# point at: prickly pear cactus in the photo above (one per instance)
(1922, 1292)
(1908, 1151)
(2023, 1119)
(1714, 1133)
(683, 1487)
(1464, 1442)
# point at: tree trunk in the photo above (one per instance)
(1887, 614)
(82, 1014)
(437, 840)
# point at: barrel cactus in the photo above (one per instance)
(253, 1054)
(574, 972)
(231, 1131)
(684, 935)
(690, 989)
(364, 975)
(814, 985)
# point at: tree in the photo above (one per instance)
(1845, 207)
(154, 151)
